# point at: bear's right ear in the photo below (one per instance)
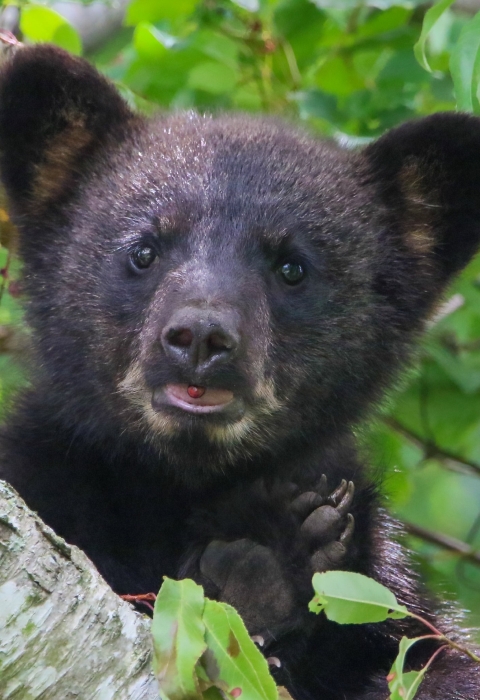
(427, 174)
(55, 111)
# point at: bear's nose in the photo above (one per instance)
(197, 339)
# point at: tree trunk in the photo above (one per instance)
(64, 634)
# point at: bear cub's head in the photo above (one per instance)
(222, 288)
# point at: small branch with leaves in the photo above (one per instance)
(202, 649)
(350, 598)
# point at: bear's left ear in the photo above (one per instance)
(427, 176)
(56, 110)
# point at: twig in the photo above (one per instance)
(5, 272)
(445, 541)
(352, 23)
(292, 63)
(461, 567)
(430, 448)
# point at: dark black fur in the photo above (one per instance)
(148, 490)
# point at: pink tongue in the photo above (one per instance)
(210, 397)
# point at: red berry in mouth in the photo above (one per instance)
(195, 392)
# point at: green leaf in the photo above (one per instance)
(293, 17)
(136, 102)
(247, 98)
(351, 599)
(212, 77)
(45, 25)
(178, 638)
(220, 48)
(407, 686)
(431, 18)
(157, 10)
(303, 26)
(151, 43)
(337, 76)
(464, 62)
(232, 662)
(404, 686)
(212, 693)
(315, 103)
(386, 21)
(465, 374)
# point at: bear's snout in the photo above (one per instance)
(199, 339)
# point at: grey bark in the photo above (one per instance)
(96, 22)
(470, 6)
(64, 634)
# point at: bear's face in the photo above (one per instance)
(242, 266)
(220, 289)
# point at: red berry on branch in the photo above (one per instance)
(195, 392)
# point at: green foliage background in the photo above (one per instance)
(347, 70)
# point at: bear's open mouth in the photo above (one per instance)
(192, 399)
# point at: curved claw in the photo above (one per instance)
(338, 494)
(347, 498)
(321, 486)
(346, 535)
(274, 661)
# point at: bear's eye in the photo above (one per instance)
(142, 257)
(292, 273)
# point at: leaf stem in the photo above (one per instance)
(292, 63)
(443, 638)
(428, 624)
(434, 656)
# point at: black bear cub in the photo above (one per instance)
(215, 304)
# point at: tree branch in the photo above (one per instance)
(445, 541)
(64, 632)
(431, 449)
